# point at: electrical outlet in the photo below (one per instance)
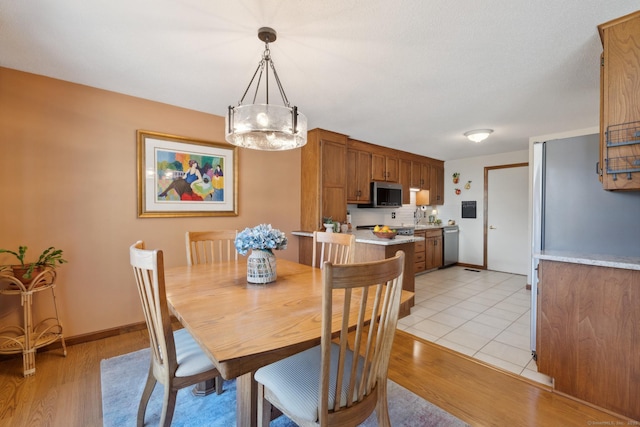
(393, 215)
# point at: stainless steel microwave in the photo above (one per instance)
(384, 195)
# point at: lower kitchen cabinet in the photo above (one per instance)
(428, 252)
(587, 335)
(433, 249)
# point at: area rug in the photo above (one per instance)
(123, 379)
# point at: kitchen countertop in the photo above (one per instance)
(366, 236)
(615, 261)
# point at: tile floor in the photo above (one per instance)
(483, 314)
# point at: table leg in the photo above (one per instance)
(246, 401)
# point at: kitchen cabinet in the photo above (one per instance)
(420, 175)
(384, 167)
(436, 185)
(428, 252)
(323, 179)
(358, 176)
(404, 178)
(619, 165)
(433, 249)
(587, 335)
(420, 254)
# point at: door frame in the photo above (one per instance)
(486, 204)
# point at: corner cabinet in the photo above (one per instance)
(619, 165)
(324, 179)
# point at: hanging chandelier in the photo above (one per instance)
(266, 126)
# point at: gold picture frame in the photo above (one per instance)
(185, 177)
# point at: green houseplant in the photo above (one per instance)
(50, 257)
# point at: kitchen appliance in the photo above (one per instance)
(450, 235)
(571, 211)
(402, 230)
(384, 195)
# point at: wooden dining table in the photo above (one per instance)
(243, 326)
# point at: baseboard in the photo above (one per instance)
(92, 336)
(473, 266)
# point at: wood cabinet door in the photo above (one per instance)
(436, 185)
(334, 180)
(620, 103)
(405, 180)
(358, 176)
(384, 168)
(433, 249)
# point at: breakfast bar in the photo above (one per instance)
(372, 248)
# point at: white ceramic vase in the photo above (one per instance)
(261, 266)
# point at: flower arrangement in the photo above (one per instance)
(261, 236)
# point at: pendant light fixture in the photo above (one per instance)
(478, 135)
(266, 126)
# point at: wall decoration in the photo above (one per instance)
(469, 209)
(456, 177)
(185, 177)
(467, 186)
(457, 191)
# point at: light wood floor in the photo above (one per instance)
(66, 391)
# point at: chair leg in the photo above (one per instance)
(382, 408)
(168, 406)
(264, 408)
(146, 394)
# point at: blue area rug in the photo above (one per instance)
(123, 379)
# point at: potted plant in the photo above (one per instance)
(50, 257)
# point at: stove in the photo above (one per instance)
(402, 230)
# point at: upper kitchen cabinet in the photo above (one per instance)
(324, 179)
(358, 172)
(404, 178)
(420, 175)
(384, 166)
(436, 185)
(620, 103)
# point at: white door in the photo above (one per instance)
(507, 219)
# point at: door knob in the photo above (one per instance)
(491, 227)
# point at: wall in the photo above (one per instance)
(69, 180)
(471, 230)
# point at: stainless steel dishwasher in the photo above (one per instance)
(450, 243)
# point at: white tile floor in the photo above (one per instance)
(483, 314)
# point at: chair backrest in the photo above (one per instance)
(206, 247)
(148, 268)
(337, 248)
(360, 284)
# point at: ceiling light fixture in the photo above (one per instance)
(266, 126)
(478, 135)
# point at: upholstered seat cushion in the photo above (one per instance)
(296, 381)
(190, 357)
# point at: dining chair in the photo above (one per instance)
(205, 247)
(350, 364)
(177, 361)
(338, 248)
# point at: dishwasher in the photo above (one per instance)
(450, 243)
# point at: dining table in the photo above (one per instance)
(243, 326)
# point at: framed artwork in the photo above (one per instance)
(185, 177)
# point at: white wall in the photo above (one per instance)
(471, 230)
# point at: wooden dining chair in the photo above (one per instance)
(338, 248)
(206, 247)
(177, 361)
(352, 365)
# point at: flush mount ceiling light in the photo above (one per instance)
(478, 135)
(266, 126)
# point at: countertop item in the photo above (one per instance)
(366, 236)
(615, 261)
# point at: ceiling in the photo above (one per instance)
(412, 75)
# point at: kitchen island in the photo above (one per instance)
(372, 248)
(588, 334)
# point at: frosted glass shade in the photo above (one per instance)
(265, 127)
